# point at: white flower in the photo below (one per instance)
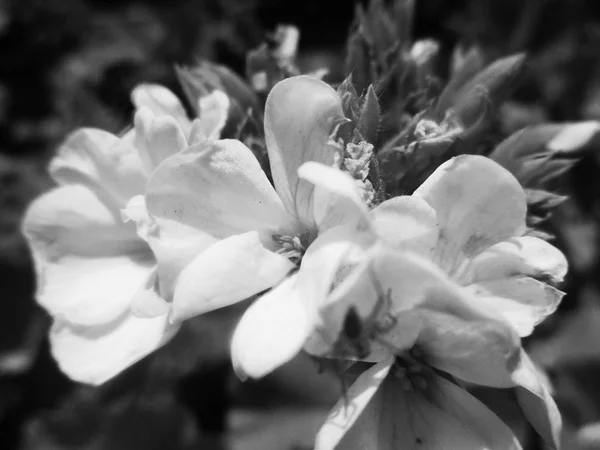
(91, 266)
(460, 284)
(251, 234)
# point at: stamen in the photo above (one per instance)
(411, 372)
(292, 247)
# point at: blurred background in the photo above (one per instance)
(65, 64)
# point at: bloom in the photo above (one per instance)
(252, 235)
(461, 283)
(91, 266)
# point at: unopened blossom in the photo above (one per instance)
(451, 285)
(91, 266)
(214, 196)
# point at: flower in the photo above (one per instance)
(254, 236)
(91, 266)
(454, 278)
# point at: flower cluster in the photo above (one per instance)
(420, 296)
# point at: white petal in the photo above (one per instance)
(157, 137)
(478, 204)
(227, 272)
(271, 332)
(407, 223)
(347, 410)
(337, 199)
(533, 395)
(525, 255)
(103, 162)
(174, 244)
(72, 220)
(92, 291)
(214, 109)
(300, 114)
(522, 301)
(95, 354)
(475, 415)
(162, 102)
(477, 351)
(574, 136)
(443, 417)
(147, 302)
(389, 283)
(217, 187)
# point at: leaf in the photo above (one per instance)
(368, 122)
(539, 154)
(497, 80)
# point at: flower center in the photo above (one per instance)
(411, 371)
(292, 247)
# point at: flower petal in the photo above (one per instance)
(444, 416)
(475, 415)
(95, 354)
(271, 331)
(346, 411)
(337, 199)
(522, 301)
(72, 220)
(147, 302)
(478, 204)
(217, 187)
(525, 255)
(89, 291)
(477, 351)
(537, 404)
(300, 114)
(174, 244)
(101, 161)
(162, 102)
(227, 272)
(157, 137)
(214, 109)
(388, 284)
(407, 223)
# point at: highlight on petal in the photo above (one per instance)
(271, 331)
(525, 255)
(442, 416)
(522, 301)
(407, 223)
(162, 102)
(217, 187)
(300, 114)
(95, 354)
(229, 271)
(156, 137)
(337, 199)
(483, 352)
(536, 402)
(347, 410)
(101, 161)
(478, 204)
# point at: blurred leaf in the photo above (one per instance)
(496, 82)
(537, 155)
(274, 60)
